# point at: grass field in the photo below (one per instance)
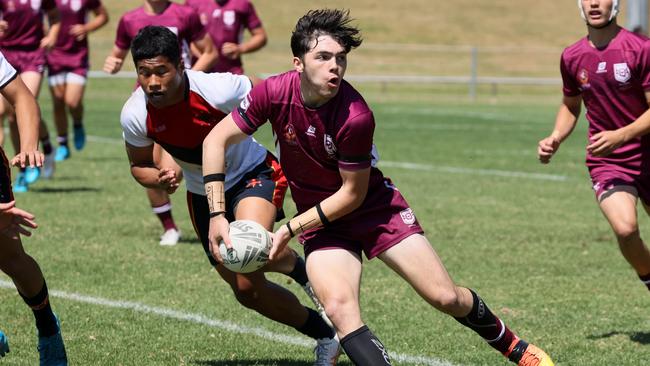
(529, 238)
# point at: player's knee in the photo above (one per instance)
(338, 308)
(246, 294)
(73, 104)
(446, 300)
(626, 233)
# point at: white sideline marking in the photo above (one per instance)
(415, 166)
(216, 323)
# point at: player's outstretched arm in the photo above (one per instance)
(224, 134)
(80, 31)
(345, 200)
(605, 142)
(114, 61)
(565, 122)
(145, 171)
(54, 20)
(206, 52)
(28, 116)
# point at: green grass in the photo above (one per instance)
(538, 251)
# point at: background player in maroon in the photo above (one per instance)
(23, 269)
(345, 205)
(24, 44)
(225, 21)
(610, 71)
(68, 67)
(184, 22)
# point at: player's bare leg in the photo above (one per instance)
(60, 121)
(417, 262)
(28, 278)
(619, 207)
(74, 93)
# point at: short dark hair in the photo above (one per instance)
(153, 41)
(331, 22)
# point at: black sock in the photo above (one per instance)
(47, 145)
(299, 272)
(62, 140)
(364, 349)
(646, 280)
(45, 319)
(315, 327)
(77, 123)
(481, 320)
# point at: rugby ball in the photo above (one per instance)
(251, 245)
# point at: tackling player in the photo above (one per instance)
(184, 22)
(346, 207)
(67, 65)
(610, 71)
(24, 43)
(18, 265)
(177, 109)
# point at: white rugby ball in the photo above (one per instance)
(251, 245)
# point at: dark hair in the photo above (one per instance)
(153, 41)
(332, 22)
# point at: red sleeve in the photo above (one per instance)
(122, 39)
(354, 142)
(569, 83)
(644, 65)
(254, 110)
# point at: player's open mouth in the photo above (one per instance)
(595, 14)
(333, 82)
(156, 95)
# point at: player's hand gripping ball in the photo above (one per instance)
(251, 245)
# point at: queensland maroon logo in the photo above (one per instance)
(583, 76)
(290, 134)
(330, 148)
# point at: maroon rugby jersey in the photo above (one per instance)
(226, 23)
(68, 51)
(25, 19)
(313, 143)
(180, 19)
(612, 82)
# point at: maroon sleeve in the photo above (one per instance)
(254, 110)
(48, 5)
(354, 142)
(122, 39)
(251, 21)
(94, 4)
(569, 84)
(644, 65)
(195, 30)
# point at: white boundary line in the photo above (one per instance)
(415, 166)
(216, 323)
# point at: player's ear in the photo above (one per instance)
(298, 65)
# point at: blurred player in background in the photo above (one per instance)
(184, 22)
(177, 109)
(67, 65)
(225, 21)
(18, 265)
(610, 71)
(345, 205)
(24, 44)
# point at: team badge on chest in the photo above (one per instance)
(229, 17)
(330, 148)
(622, 72)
